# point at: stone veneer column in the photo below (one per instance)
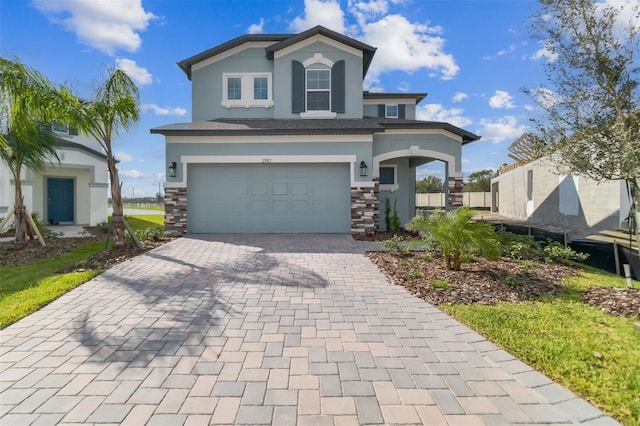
(364, 209)
(175, 212)
(454, 193)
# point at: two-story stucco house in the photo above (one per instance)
(284, 140)
(72, 191)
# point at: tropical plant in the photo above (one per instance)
(114, 107)
(457, 236)
(27, 101)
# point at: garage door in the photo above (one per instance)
(268, 198)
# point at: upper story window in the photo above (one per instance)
(318, 87)
(391, 111)
(234, 88)
(62, 128)
(247, 90)
(318, 90)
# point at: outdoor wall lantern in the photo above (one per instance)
(172, 169)
(363, 168)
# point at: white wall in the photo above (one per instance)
(569, 202)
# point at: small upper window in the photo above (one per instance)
(260, 88)
(318, 90)
(234, 88)
(247, 90)
(391, 111)
(59, 127)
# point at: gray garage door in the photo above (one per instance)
(268, 198)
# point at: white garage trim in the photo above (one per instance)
(267, 159)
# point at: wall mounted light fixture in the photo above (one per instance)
(172, 169)
(363, 168)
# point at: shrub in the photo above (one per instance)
(518, 246)
(396, 244)
(155, 233)
(442, 284)
(457, 236)
(395, 219)
(42, 228)
(556, 251)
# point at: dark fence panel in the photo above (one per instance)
(601, 254)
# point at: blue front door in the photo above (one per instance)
(59, 200)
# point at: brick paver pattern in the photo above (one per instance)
(263, 329)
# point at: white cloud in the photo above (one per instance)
(545, 97)
(320, 12)
(131, 174)
(104, 25)
(437, 112)
(500, 100)
(459, 97)
(158, 110)
(257, 28)
(506, 128)
(544, 53)
(512, 48)
(365, 11)
(406, 46)
(123, 156)
(138, 74)
(628, 13)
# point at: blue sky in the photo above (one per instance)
(472, 58)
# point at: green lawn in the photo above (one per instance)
(594, 354)
(26, 288)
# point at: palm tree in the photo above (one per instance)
(27, 100)
(458, 236)
(115, 106)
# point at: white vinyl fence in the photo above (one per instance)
(470, 199)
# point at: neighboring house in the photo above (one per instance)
(534, 192)
(283, 139)
(73, 191)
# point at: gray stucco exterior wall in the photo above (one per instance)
(353, 82)
(207, 86)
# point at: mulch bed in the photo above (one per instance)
(12, 254)
(483, 282)
(489, 282)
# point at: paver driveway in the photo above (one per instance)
(260, 329)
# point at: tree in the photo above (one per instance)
(479, 181)
(591, 124)
(457, 235)
(430, 184)
(114, 107)
(28, 101)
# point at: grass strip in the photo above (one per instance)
(594, 354)
(26, 288)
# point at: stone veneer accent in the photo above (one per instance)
(454, 194)
(364, 209)
(175, 212)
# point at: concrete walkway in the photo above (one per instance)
(262, 329)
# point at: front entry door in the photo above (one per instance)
(59, 200)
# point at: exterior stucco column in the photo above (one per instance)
(364, 209)
(175, 212)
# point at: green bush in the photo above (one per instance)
(150, 234)
(396, 244)
(42, 228)
(518, 246)
(457, 236)
(556, 251)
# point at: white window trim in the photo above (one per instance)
(386, 111)
(247, 100)
(391, 187)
